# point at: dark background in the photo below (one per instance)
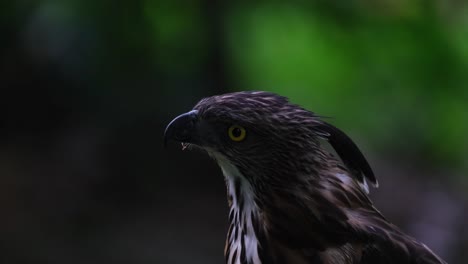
(87, 87)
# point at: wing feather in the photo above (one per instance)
(349, 152)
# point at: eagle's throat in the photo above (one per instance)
(242, 244)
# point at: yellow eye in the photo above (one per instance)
(237, 133)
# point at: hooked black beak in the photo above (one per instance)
(181, 128)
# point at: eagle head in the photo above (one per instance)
(265, 137)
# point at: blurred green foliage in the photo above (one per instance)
(394, 72)
(174, 27)
(399, 78)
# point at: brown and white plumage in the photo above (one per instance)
(290, 200)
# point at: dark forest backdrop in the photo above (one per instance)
(86, 88)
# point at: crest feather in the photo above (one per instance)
(349, 153)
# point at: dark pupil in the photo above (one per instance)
(236, 132)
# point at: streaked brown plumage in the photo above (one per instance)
(290, 200)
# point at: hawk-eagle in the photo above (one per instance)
(291, 201)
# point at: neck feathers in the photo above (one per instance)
(241, 243)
